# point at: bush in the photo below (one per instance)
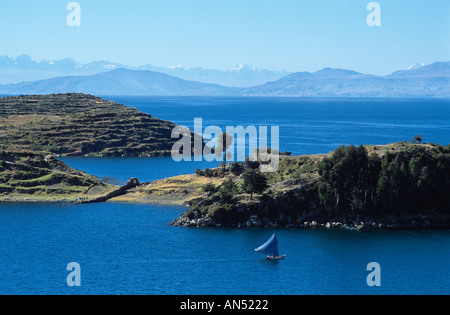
(199, 172)
(236, 168)
(209, 189)
(208, 172)
(248, 164)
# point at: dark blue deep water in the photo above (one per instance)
(130, 248)
(309, 126)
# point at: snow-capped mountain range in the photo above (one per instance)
(24, 68)
(106, 78)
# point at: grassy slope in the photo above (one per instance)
(32, 177)
(81, 125)
(295, 172)
(179, 190)
(182, 190)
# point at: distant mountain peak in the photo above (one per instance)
(238, 67)
(24, 68)
(437, 69)
(432, 81)
(331, 72)
(120, 81)
(241, 67)
(416, 66)
(110, 78)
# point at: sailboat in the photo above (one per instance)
(270, 249)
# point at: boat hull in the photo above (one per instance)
(276, 257)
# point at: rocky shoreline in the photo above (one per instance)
(382, 187)
(419, 222)
(291, 200)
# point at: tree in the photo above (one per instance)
(249, 164)
(224, 142)
(236, 168)
(209, 189)
(208, 172)
(418, 139)
(199, 172)
(345, 177)
(227, 191)
(416, 180)
(254, 182)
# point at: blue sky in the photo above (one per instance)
(295, 35)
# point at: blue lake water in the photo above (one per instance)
(120, 170)
(307, 126)
(130, 249)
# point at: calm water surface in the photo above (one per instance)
(130, 249)
(307, 126)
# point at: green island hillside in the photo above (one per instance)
(81, 125)
(27, 176)
(402, 185)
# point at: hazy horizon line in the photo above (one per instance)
(235, 68)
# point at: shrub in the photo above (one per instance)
(209, 189)
(248, 164)
(208, 172)
(236, 168)
(199, 172)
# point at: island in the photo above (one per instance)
(397, 186)
(76, 124)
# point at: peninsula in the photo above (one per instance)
(81, 125)
(28, 176)
(402, 185)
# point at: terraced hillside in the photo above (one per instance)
(81, 125)
(25, 175)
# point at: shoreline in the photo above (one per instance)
(407, 223)
(425, 224)
(217, 198)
